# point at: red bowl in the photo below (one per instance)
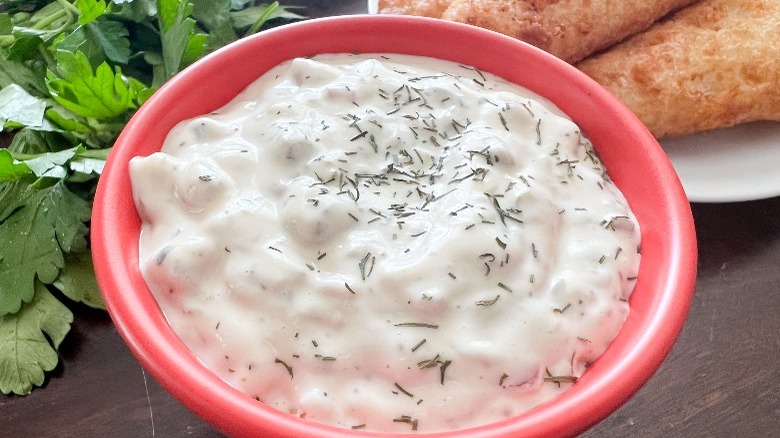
(635, 161)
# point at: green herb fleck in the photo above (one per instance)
(417, 324)
(488, 302)
(558, 379)
(563, 309)
(403, 391)
(407, 419)
(442, 369)
(285, 365)
(366, 265)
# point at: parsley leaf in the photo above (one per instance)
(10, 169)
(90, 10)
(35, 234)
(25, 353)
(111, 36)
(21, 74)
(20, 108)
(102, 94)
(181, 42)
(77, 280)
(215, 17)
(51, 164)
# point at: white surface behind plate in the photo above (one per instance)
(725, 165)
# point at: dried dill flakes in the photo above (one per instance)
(557, 380)
(429, 363)
(285, 365)
(325, 358)
(610, 223)
(539, 132)
(417, 324)
(407, 419)
(419, 344)
(488, 302)
(562, 309)
(366, 265)
(505, 287)
(403, 391)
(442, 369)
(503, 121)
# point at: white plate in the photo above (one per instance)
(726, 165)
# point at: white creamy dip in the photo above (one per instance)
(392, 243)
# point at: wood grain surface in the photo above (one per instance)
(722, 379)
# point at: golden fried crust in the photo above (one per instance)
(518, 19)
(577, 28)
(569, 29)
(714, 64)
(424, 8)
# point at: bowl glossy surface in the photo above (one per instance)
(633, 158)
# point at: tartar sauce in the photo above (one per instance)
(387, 242)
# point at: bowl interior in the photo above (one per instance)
(633, 158)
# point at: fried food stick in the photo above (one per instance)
(577, 28)
(424, 8)
(569, 29)
(714, 64)
(518, 19)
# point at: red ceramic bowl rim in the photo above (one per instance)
(660, 301)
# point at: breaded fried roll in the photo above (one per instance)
(423, 8)
(578, 28)
(518, 19)
(569, 29)
(714, 64)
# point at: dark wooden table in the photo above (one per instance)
(722, 378)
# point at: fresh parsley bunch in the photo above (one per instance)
(72, 73)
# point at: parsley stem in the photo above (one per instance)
(68, 7)
(51, 18)
(50, 61)
(262, 19)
